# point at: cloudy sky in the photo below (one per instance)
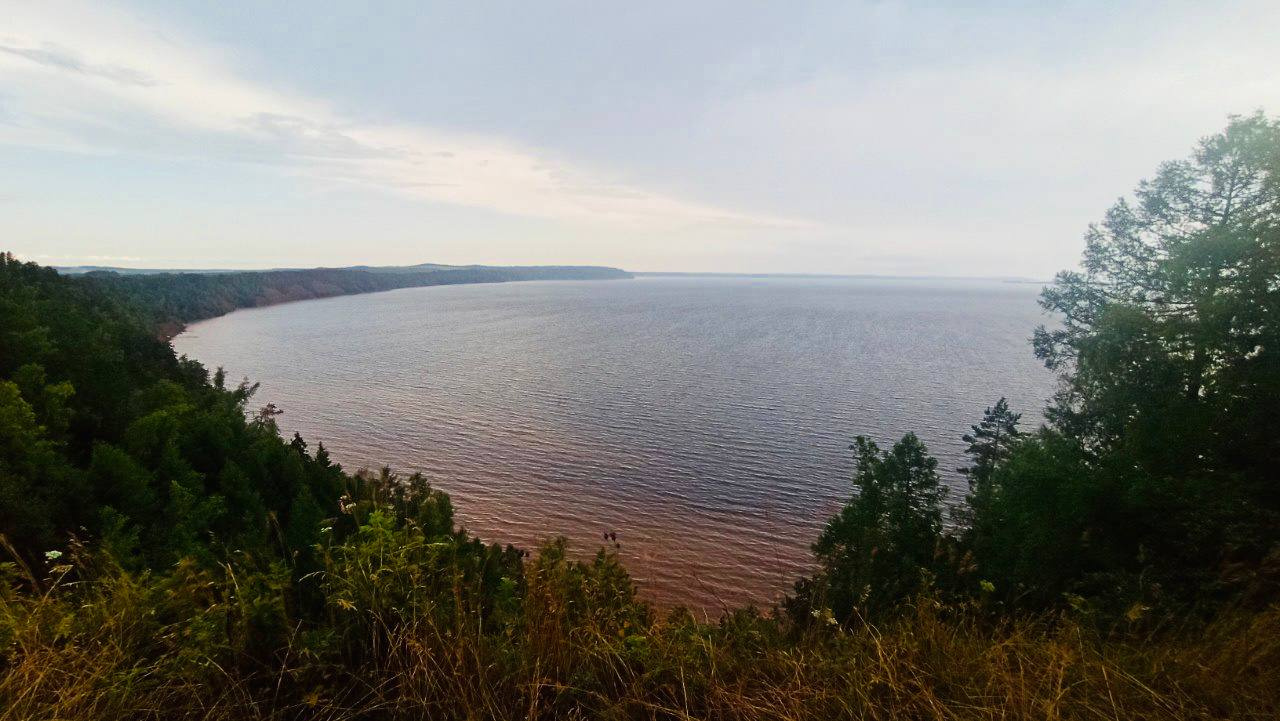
(833, 137)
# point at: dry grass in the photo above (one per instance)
(131, 648)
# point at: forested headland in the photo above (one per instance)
(169, 300)
(166, 554)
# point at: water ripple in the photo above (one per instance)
(705, 421)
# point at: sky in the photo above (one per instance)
(900, 138)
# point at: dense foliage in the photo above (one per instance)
(1165, 438)
(877, 552)
(1153, 484)
(108, 435)
(168, 554)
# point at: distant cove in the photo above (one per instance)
(705, 421)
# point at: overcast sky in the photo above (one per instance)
(831, 137)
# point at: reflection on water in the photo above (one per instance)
(705, 421)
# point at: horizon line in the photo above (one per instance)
(90, 267)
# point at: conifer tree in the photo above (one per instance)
(989, 444)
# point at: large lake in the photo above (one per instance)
(705, 421)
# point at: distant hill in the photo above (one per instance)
(420, 267)
(411, 268)
(173, 298)
(83, 269)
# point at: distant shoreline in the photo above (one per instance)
(834, 276)
(86, 269)
(172, 300)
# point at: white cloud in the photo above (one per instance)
(82, 77)
(61, 59)
(1000, 157)
(916, 136)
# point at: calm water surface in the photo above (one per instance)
(705, 421)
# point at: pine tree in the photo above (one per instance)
(990, 444)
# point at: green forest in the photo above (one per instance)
(165, 553)
(169, 300)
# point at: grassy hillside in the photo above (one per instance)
(190, 644)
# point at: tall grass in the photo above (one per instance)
(92, 641)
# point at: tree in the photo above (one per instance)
(39, 491)
(990, 444)
(1171, 328)
(880, 548)
(1168, 349)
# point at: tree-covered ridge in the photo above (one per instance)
(172, 299)
(110, 436)
(166, 554)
